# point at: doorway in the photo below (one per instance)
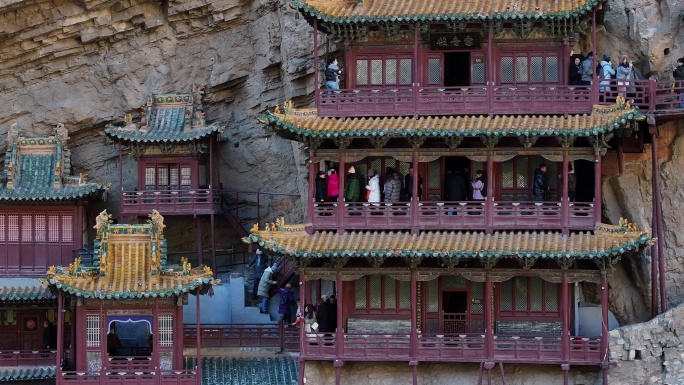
(584, 174)
(454, 311)
(457, 69)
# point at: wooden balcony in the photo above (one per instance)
(170, 202)
(648, 95)
(28, 358)
(474, 215)
(452, 348)
(151, 376)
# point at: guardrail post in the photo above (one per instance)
(281, 333)
(652, 88)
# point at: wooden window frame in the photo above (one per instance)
(384, 309)
(169, 165)
(384, 57)
(543, 53)
(528, 314)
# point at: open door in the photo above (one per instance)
(454, 312)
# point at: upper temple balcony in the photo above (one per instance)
(427, 58)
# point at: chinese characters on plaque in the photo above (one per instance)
(464, 40)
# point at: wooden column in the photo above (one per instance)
(302, 305)
(490, 68)
(655, 260)
(178, 332)
(620, 157)
(597, 185)
(488, 318)
(565, 199)
(342, 174)
(339, 333)
(489, 199)
(121, 187)
(565, 317)
(155, 338)
(211, 203)
(103, 339)
(312, 188)
(198, 224)
(415, 199)
(415, 82)
(604, 326)
(594, 83)
(213, 244)
(199, 340)
(317, 81)
(658, 219)
(60, 333)
(414, 327)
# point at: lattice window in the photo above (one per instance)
(360, 291)
(433, 296)
(92, 331)
(521, 294)
(537, 69)
(507, 174)
(67, 228)
(13, 228)
(174, 177)
(435, 174)
(477, 294)
(521, 175)
(552, 69)
(551, 294)
(506, 69)
(404, 295)
(185, 176)
(40, 226)
(376, 71)
(150, 178)
(3, 227)
(375, 164)
(506, 294)
(375, 292)
(536, 294)
(390, 292)
(165, 330)
(162, 177)
(454, 282)
(521, 70)
(391, 71)
(405, 71)
(53, 228)
(27, 228)
(477, 71)
(434, 71)
(362, 72)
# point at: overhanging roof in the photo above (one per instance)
(359, 11)
(23, 289)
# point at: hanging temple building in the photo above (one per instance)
(430, 90)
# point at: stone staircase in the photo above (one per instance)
(240, 313)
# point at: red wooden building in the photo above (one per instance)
(453, 87)
(174, 149)
(42, 221)
(128, 307)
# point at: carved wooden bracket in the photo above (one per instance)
(565, 263)
(343, 142)
(566, 141)
(489, 141)
(414, 261)
(450, 262)
(137, 149)
(340, 261)
(490, 262)
(376, 261)
(166, 148)
(600, 141)
(379, 141)
(416, 141)
(453, 141)
(528, 262)
(528, 141)
(311, 142)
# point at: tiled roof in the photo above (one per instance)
(306, 122)
(38, 168)
(129, 262)
(356, 11)
(171, 118)
(23, 289)
(258, 370)
(26, 373)
(605, 241)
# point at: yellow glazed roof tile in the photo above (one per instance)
(355, 11)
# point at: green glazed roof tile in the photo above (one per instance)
(26, 373)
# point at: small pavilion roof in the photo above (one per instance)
(129, 262)
(358, 11)
(307, 123)
(23, 289)
(38, 168)
(172, 118)
(604, 241)
(26, 373)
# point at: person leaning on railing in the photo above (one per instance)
(678, 74)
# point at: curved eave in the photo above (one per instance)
(310, 11)
(203, 283)
(27, 373)
(17, 195)
(307, 130)
(152, 138)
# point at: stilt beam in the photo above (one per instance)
(415, 199)
(604, 327)
(339, 332)
(565, 197)
(414, 371)
(60, 333)
(213, 245)
(659, 220)
(198, 225)
(503, 375)
(342, 174)
(489, 199)
(566, 373)
(199, 341)
(597, 185)
(312, 188)
(338, 364)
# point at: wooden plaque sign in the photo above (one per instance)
(461, 40)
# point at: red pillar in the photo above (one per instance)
(317, 80)
(489, 199)
(565, 201)
(121, 187)
(594, 83)
(415, 199)
(490, 66)
(198, 224)
(199, 341)
(155, 338)
(597, 186)
(312, 188)
(415, 82)
(342, 174)
(488, 318)
(213, 244)
(339, 333)
(604, 328)
(565, 316)
(302, 332)
(414, 327)
(60, 333)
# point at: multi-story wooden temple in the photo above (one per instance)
(128, 307)
(174, 149)
(431, 89)
(42, 220)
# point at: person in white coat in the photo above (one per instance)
(373, 186)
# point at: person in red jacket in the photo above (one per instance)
(333, 186)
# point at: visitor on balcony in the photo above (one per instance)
(479, 186)
(260, 262)
(455, 189)
(332, 75)
(408, 184)
(321, 187)
(541, 187)
(113, 341)
(49, 335)
(264, 286)
(624, 73)
(373, 187)
(352, 187)
(588, 69)
(309, 318)
(392, 187)
(576, 72)
(605, 73)
(333, 188)
(678, 74)
(286, 301)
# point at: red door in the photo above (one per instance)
(31, 330)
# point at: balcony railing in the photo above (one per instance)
(467, 347)
(648, 95)
(236, 335)
(200, 201)
(28, 358)
(139, 377)
(505, 215)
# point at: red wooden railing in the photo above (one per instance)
(648, 95)
(28, 357)
(236, 335)
(456, 216)
(169, 201)
(142, 377)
